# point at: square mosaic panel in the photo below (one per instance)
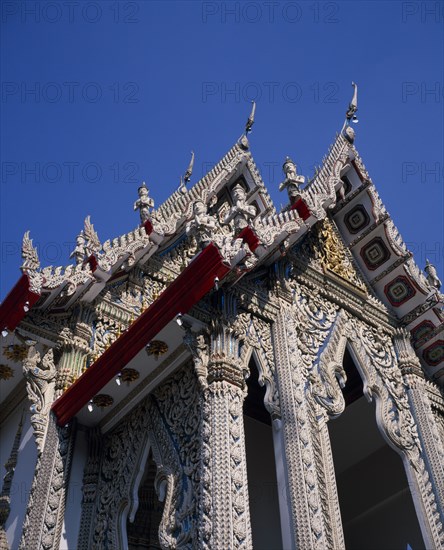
(421, 331)
(434, 354)
(375, 253)
(356, 219)
(399, 291)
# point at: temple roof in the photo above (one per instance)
(355, 243)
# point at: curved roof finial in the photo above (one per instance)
(189, 172)
(350, 115)
(250, 120)
(353, 106)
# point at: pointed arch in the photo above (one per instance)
(258, 345)
(376, 361)
(150, 426)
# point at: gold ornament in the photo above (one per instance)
(6, 372)
(102, 400)
(129, 375)
(15, 352)
(156, 348)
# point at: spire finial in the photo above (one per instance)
(350, 115)
(189, 171)
(250, 120)
(353, 106)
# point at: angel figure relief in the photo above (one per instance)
(40, 376)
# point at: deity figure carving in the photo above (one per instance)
(40, 375)
(144, 203)
(292, 180)
(432, 275)
(79, 251)
(241, 213)
(202, 225)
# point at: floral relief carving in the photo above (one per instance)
(168, 420)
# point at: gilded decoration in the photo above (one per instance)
(334, 257)
(129, 375)
(102, 400)
(15, 352)
(6, 372)
(156, 348)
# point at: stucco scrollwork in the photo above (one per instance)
(40, 376)
(167, 421)
(376, 350)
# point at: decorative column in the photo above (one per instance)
(429, 437)
(89, 487)
(300, 331)
(224, 515)
(296, 442)
(5, 498)
(46, 382)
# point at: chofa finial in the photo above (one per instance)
(29, 254)
(350, 115)
(353, 106)
(250, 120)
(189, 172)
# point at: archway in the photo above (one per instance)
(261, 467)
(143, 531)
(375, 499)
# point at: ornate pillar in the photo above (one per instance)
(224, 515)
(429, 438)
(89, 488)
(5, 495)
(46, 382)
(303, 506)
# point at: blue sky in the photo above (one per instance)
(99, 96)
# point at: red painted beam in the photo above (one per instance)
(148, 227)
(302, 209)
(249, 237)
(12, 309)
(190, 286)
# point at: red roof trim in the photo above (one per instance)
(190, 286)
(302, 209)
(12, 308)
(249, 237)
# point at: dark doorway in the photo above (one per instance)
(376, 504)
(143, 531)
(261, 468)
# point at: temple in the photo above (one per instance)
(228, 376)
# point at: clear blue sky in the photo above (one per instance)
(124, 90)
